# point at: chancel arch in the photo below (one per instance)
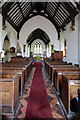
(42, 23)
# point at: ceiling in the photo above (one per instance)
(38, 34)
(59, 13)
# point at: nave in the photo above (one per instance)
(22, 103)
(57, 111)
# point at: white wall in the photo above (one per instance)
(79, 36)
(10, 31)
(1, 42)
(42, 23)
(72, 42)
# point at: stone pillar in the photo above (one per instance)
(28, 50)
(24, 49)
(47, 50)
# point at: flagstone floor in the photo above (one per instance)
(57, 111)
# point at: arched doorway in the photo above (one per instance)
(6, 49)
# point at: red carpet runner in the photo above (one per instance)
(38, 104)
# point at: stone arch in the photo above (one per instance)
(6, 44)
(42, 23)
(6, 48)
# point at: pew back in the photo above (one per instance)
(9, 93)
(69, 90)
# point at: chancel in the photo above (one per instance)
(40, 60)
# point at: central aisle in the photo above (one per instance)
(38, 104)
(56, 109)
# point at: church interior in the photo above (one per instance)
(40, 60)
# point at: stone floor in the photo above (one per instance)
(57, 111)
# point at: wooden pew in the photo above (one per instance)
(57, 55)
(9, 92)
(14, 86)
(20, 59)
(57, 75)
(61, 67)
(58, 80)
(70, 85)
(17, 68)
(21, 77)
(28, 66)
(50, 64)
(54, 64)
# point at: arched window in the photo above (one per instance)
(38, 48)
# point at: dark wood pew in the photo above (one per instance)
(17, 68)
(70, 85)
(28, 66)
(54, 67)
(58, 80)
(57, 75)
(57, 55)
(50, 64)
(9, 92)
(56, 64)
(20, 59)
(21, 77)
(65, 67)
(14, 86)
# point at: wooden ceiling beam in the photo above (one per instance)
(50, 8)
(58, 5)
(70, 10)
(12, 13)
(6, 8)
(78, 5)
(20, 9)
(63, 12)
(12, 23)
(26, 18)
(50, 18)
(46, 4)
(27, 11)
(66, 21)
(30, 40)
(66, 11)
(16, 17)
(58, 21)
(46, 40)
(61, 16)
(31, 6)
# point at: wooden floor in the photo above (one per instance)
(57, 111)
